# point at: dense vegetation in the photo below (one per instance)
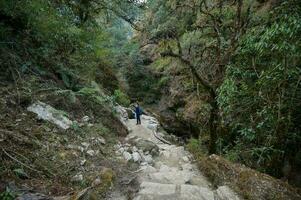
(237, 64)
(227, 70)
(68, 41)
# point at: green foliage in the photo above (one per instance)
(260, 96)
(121, 98)
(7, 195)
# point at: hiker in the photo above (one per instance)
(138, 112)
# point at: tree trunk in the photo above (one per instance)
(213, 125)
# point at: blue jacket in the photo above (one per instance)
(138, 111)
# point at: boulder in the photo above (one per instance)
(136, 157)
(148, 159)
(127, 156)
(48, 113)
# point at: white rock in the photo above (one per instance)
(91, 152)
(83, 162)
(85, 145)
(148, 159)
(143, 164)
(48, 113)
(127, 156)
(185, 159)
(77, 178)
(85, 119)
(96, 182)
(121, 150)
(136, 157)
(81, 149)
(134, 149)
(101, 140)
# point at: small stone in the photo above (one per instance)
(81, 149)
(85, 118)
(148, 159)
(83, 162)
(127, 156)
(134, 149)
(136, 157)
(101, 140)
(85, 145)
(185, 159)
(121, 150)
(143, 163)
(18, 120)
(91, 152)
(77, 178)
(96, 182)
(90, 125)
(47, 129)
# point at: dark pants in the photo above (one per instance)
(138, 119)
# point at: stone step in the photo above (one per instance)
(159, 191)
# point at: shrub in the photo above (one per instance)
(121, 98)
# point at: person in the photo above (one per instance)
(138, 112)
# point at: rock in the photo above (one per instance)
(136, 157)
(85, 145)
(90, 125)
(101, 140)
(185, 159)
(130, 113)
(225, 193)
(117, 146)
(134, 149)
(80, 148)
(85, 119)
(77, 178)
(83, 162)
(91, 152)
(121, 150)
(148, 169)
(96, 182)
(127, 156)
(148, 159)
(146, 145)
(48, 113)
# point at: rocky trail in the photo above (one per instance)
(166, 171)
